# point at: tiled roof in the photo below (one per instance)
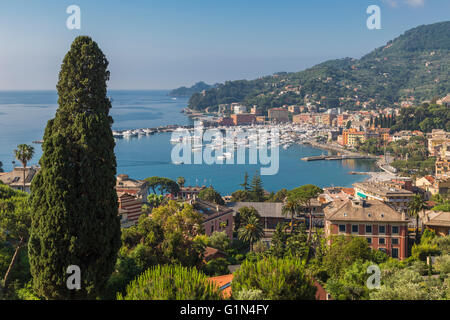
(369, 210)
(224, 283)
(438, 219)
(265, 209)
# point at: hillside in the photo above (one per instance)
(414, 67)
(187, 92)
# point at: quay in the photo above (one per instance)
(343, 157)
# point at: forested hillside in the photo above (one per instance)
(413, 67)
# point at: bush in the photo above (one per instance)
(250, 294)
(171, 282)
(216, 267)
(277, 279)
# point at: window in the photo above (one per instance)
(369, 240)
(395, 230)
(394, 240)
(342, 228)
(354, 228)
(381, 229)
(212, 229)
(368, 229)
(394, 252)
(381, 241)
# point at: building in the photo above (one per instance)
(342, 119)
(226, 121)
(435, 141)
(189, 192)
(243, 119)
(383, 227)
(442, 166)
(444, 101)
(351, 137)
(294, 109)
(437, 221)
(239, 109)
(15, 178)
(397, 198)
(271, 214)
(256, 111)
(278, 115)
(137, 188)
(130, 209)
(215, 217)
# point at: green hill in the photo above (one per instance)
(187, 92)
(415, 66)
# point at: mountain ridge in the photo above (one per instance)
(410, 68)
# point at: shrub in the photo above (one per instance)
(171, 282)
(278, 279)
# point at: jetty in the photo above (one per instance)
(334, 157)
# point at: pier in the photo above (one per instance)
(329, 158)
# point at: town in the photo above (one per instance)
(391, 210)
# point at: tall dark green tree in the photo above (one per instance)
(256, 189)
(74, 204)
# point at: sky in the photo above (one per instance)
(164, 44)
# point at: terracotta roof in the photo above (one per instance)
(210, 252)
(359, 210)
(224, 283)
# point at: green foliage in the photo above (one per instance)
(425, 117)
(187, 92)
(216, 267)
(250, 230)
(343, 252)
(240, 196)
(352, 284)
(6, 192)
(408, 284)
(211, 195)
(243, 214)
(249, 294)
(172, 282)
(74, 202)
(385, 75)
(278, 279)
(163, 185)
(171, 235)
(219, 240)
(154, 201)
(279, 196)
(256, 189)
(442, 264)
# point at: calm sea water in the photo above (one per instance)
(24, 114)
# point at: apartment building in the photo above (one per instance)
(395, 197)
(383, 227)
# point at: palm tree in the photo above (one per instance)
(24, 153)
(251, 231)
(415, 206)
(290, 207)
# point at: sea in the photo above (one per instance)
(24, 115)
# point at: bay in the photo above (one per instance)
(24, 114)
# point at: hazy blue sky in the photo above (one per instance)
(168, 43)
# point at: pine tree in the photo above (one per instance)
(75, 213)
(244, 185)
(256, 189)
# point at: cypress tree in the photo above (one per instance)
(75, 212)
